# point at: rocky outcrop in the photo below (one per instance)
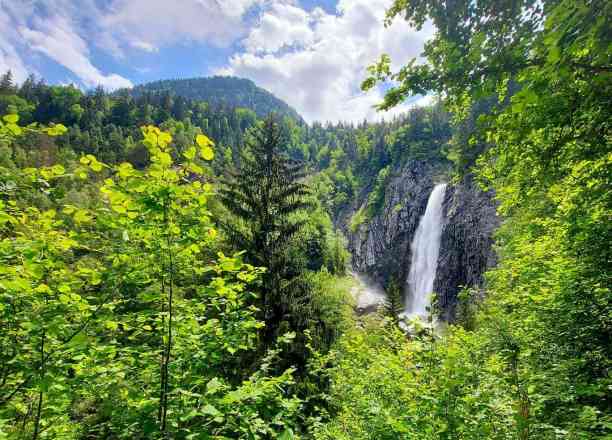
(380, 247)
(466, 245)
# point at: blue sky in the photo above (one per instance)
(311, 53)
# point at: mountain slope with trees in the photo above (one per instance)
(222, 91)
(169, 267)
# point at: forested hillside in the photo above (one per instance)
(174, 260)
(350, 157)
(221, 91)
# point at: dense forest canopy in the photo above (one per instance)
(173, 259)
(222, 91)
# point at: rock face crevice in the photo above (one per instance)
(380, 247)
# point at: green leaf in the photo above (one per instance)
(96, 166)
(58, 169)
(111, 325)
(82, 216)
(207, 153)
(286, 435)
(210, 410)
(15, 129)
(11, 119)
(165, 159)
(213, 386)
(190, 153)
(205, 145)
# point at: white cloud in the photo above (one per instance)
(10, 58)
(283, 25)
(316, 61)
(163, 23)
(66, 31)
(52, 28)
(56, 38)
(143, 45)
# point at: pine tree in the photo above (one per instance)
(393, 303)
(262, 195)
(6, 84)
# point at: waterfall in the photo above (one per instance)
(425, 248)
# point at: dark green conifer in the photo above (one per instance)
(262, 195)
(393, 304)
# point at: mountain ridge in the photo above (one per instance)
(218, 90)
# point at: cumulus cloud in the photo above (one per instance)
(163, 23)
(316, 61)
(56, 38)
(51, 28)
(66, 30)
(312, 59)
(10, 57)
(283, 25)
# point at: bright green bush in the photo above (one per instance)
(358, 219)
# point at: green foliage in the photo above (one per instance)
(350, 158)
(343, 158)
(335, 257)
(118, 319)
(146, 224)
(376, 198)
(332, 308)
(316, 245)
(262, 196)
(108, 125)
(268, 202)
(122, 315)
(394, 303)
(387, 387)
(529, 82)
(358, 219)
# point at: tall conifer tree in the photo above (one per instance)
(262, 195)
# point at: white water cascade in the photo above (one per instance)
(425, 248)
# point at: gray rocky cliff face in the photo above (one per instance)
(466, 246)
(380, 248)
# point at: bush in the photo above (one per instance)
(358, 219)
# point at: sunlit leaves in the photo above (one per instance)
(10, 126)
(205, 145)
(125, 170)
(190, 153)
(47, 283)
(535, 77)
(55, 130)
(85, 287)
(92, 162)
(11, 119)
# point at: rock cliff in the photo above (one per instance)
(380, 247)
(466, 245)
